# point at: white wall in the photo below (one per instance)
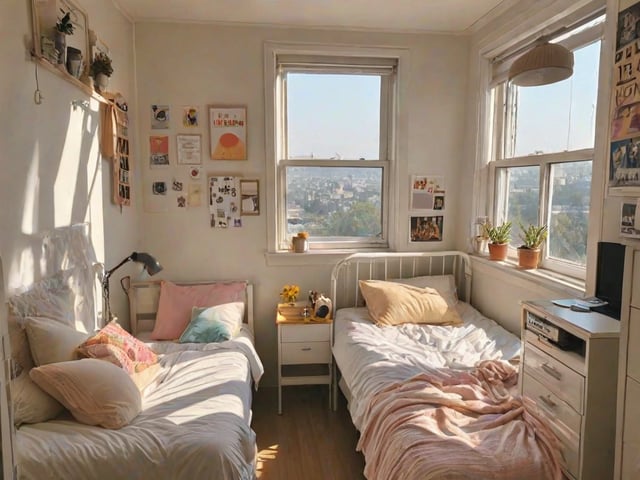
(202, 65)
(52, 174)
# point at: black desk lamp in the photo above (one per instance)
(150, 264)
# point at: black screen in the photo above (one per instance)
(609, 277)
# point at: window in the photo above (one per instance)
(334, 147)
(544, 151)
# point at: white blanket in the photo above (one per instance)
(371, 358)
(195, 424)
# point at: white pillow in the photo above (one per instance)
(30, 403)
(94, 391)
(444, 284)
(229, 314)
(51, 341)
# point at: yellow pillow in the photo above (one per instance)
(394, 303)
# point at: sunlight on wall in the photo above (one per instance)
(31, 194)
(64, 188)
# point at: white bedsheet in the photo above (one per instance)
(371, 357)
(195, 424)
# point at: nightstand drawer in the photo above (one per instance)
(306, 332)
(556, 409)
(305, 352)
(556, 376)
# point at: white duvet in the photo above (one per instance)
(371, 357)
(194, 424)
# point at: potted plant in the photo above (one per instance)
(529, 252)
(499, 237)
(101, 69)
(64, 27)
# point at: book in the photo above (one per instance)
(589, 302)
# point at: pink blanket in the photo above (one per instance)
(451, 424)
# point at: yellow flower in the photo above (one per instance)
(290, 293)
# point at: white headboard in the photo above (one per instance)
(382, 266)
(144, 296)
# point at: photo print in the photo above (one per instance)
(629, 222)
(159, 151)
(427, 193)
(624, 165)
(159, 188)
(159, 117)
(190, 116)
(427, 229)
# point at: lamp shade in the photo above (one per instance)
(544, 64)
(151, 265)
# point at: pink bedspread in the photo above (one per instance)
(452, 424)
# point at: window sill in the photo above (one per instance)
(565, 285)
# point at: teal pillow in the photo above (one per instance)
(205, 327)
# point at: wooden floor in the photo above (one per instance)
(308, 441)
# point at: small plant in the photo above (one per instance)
(101, 64)
(499, 234)
(65, 25)
(533, 236)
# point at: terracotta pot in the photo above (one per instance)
(498, 251)
(528, 257)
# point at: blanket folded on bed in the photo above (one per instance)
(454, 424)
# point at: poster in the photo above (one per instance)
(190, 116)
(427, 229)
(629, 223)
(224, 202)
(189, 149)
(159, 151)
(228, 132)
(427, 193)
(624, 168)
(159, 117)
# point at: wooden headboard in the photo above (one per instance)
(143, 303)
(345, 291)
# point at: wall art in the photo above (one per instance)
(224, 202)
(427, 229)
(249, 197)
(190, 116)
(228, 133)
(159, 117)
(189, 149)
(158, 151)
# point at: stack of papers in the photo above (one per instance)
(589, 302)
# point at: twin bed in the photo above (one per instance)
(432, 400)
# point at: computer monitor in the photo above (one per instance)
(609, 277)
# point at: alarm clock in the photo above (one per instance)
(322, 307)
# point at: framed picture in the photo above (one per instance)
(427, 229)
(249, 197)
(189, 149)
(228, 132)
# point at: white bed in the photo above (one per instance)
(194, 424)
(375, 359)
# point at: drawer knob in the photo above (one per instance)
(547, 401)
(306, 349)
(550, 370)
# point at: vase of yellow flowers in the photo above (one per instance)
(289, 293)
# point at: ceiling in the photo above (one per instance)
(450, 16)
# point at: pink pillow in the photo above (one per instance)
(176, 302)
(116, 345)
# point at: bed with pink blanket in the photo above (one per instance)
(436, 399)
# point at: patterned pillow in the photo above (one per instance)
(214, 324)
(122, 348)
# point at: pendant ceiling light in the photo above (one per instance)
(544, 64)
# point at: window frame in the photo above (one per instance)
(351, 60)
(504, 103)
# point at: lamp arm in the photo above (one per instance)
(108, 273)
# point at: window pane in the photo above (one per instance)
(522, 189)
(570, 191)
(333, 116)
(561, 116)
(334, 201)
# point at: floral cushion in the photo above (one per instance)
(119, 347)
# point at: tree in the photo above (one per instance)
(361, 220)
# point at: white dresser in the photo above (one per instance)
(574, 387)
(628, 418)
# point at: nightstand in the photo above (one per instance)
(304, 349)
(569, 371)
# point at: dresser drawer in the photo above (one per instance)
(556, 376)
(305, 353)
(562, 420)
(631, 431)
(554, 407)
(306, 333)
(633, 355)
